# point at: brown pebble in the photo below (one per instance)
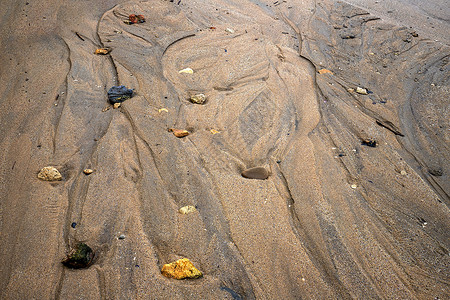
(88, 171)
(256, 173)
(116, 105)
(179, 133)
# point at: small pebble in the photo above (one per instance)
(179, 133)
(353, 186)
(122, 237)
(49, 174)
(361, 91)
(102, 51)
(403, 172)
(256, 173)
(187, 209)
(369, 142)
(325, 71)
(88, 171)
(186, 71)
(135, 19)
(74, 225)
(198, 98)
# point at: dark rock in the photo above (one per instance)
(80, 257)
(134, 19)
(435, 172)
(348, 37)
(118, 94)
(256, 173)
(369, 142)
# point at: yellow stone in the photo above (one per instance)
(163, 109)
(187, 209)
(186, 71)
(49, 174)
(198, 98)
(181, 269)
(116, 105)
(213, 131)
(361, 91)
(88, 171)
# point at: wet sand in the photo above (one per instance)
(336, 219)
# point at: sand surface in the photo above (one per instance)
(336, 219)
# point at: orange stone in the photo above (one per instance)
(181, 269)
(102, 51)
(325, 71)
(179, 133)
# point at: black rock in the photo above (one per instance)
(118, 94)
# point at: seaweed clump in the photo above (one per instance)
(79, 257)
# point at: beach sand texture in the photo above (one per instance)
(328, 215)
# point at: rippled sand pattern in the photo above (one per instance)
(335, 219)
